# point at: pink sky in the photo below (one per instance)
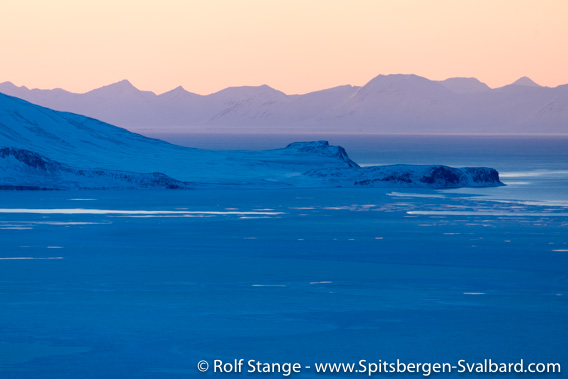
(294, 46)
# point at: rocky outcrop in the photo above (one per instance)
(409, 176)
(322, 148)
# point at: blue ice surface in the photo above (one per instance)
(340, 275)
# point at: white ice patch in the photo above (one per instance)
(532, 174)
(166, 216)
(27, 258)
(253, 217)
(486, 213)
(62, 223)
(268, 285)
(420, 195)
(127, 212)
(547, 203)
(26, 225)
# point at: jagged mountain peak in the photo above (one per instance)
(525, 81)
(124, 83)
(179, 89)
(178, 92)
(9, 84)
(10, 88)
(123, 87)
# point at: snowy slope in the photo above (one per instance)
(391, 102)
(523, 108)
(25, 170)
(45, 148)
(243, 105)
(388, 103)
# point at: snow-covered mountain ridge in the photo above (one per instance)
(45, 149)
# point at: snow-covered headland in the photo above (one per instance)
(45, 149)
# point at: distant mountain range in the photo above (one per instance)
(386, 104)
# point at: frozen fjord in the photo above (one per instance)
(303, 275)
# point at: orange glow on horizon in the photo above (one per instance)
(294, 46)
